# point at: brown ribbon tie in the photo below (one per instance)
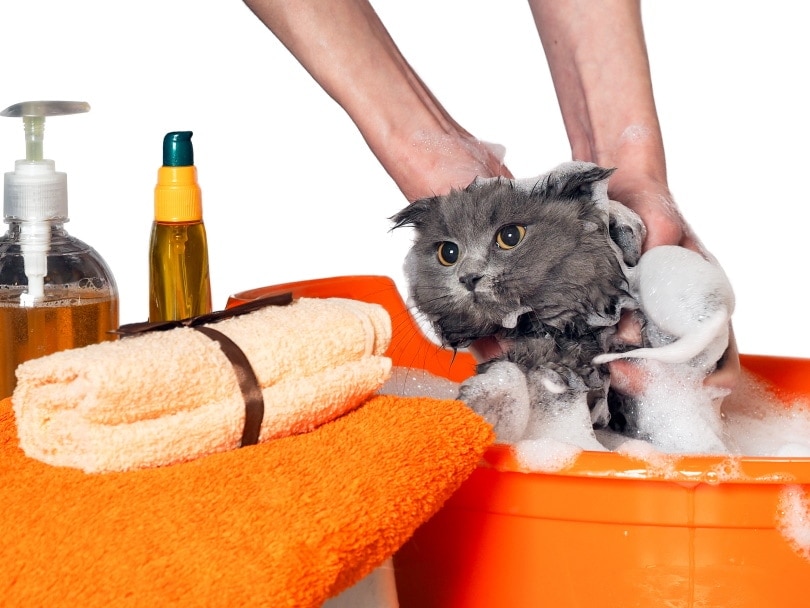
(245, 375)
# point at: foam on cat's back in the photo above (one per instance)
(678, 288)
(684, 296)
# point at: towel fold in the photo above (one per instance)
(172, 396)
(286, 523)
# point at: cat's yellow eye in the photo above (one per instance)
(447, 253)
(509, 236)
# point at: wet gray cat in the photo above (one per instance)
(540, 263)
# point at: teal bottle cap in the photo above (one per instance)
(177, 149)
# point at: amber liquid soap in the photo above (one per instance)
(178, 266)
(32, 332)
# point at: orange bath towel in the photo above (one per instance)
(287, 523)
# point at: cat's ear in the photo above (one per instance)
(479, 182)
(414, 214)
(578, 181)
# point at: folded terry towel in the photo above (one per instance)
(286, 523)
(171, 396)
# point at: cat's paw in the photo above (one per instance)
(560, 409)
(627, 230)
(501, 397)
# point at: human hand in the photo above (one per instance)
(432, 164)
(655, 205)
(350, 53)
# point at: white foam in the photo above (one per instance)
(545, 455)
(793, 450)
(417, 382)
(636, 133)
(678, 415)
(759, 424)
(684, 297)
(658, 463)
(564, 419)
(793, 519)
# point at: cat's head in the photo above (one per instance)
(500, 248)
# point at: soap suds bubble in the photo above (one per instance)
(658, 463)
(793, 519)
(727, 469)
(760, 424)
(545, 455)
(793, 450)
(636, 133)
(562, 417)
(678, 414)
(417, 382)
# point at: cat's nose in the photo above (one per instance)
(470, 280)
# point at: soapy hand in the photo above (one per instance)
(665, 226)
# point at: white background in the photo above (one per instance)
(291, 192)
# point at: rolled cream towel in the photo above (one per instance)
(171, 396)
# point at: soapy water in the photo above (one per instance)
(761, 425)
(417, 382)
(546, 454)
(751, 422)
(679, 416)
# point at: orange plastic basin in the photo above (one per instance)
(606, 531)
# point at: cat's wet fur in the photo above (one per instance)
(534, 264)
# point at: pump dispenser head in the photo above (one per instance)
(177, 149)
(35, 194)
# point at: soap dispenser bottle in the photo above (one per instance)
(56, 292)
(179, 283)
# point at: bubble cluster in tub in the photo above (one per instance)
(752, 422)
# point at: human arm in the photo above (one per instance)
(598, 59)
(348, 51)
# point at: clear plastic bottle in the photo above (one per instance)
(179, 283)
(56, 292)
